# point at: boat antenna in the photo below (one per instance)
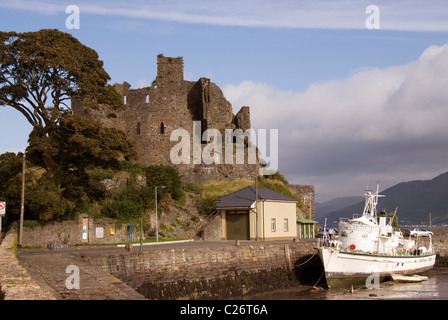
(372, 202)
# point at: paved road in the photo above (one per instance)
(153, 246)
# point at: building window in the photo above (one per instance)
(273, 224)
(285, 225)
(162, 128)
(147, 98)
(138, 127)
(124, 99)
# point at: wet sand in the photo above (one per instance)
(435, 288)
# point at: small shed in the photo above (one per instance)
(306, 228)
(270, 218)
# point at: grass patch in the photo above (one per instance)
(216, 189)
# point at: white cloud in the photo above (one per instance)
(388, 123)
(414, 15)
(142, 83)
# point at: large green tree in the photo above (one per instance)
(83, 145)
(83, 148)
(79, 145)
(10, 180)
(40, 72)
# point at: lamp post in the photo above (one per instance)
(22, 201)
(157, 222)
(141, 234)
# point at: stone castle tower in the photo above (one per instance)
(152, 113)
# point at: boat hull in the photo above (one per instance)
(345, 268)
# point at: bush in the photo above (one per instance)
(206, 205)
(128, 203)
(122, 209)
(164, 176)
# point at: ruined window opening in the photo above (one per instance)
(206, 95)
(138, 127)
(162, 128)
(124, 99)
(147, 98)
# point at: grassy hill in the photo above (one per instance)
(210, 191)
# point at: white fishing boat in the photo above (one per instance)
(369, 246)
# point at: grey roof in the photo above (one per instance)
(245, 198)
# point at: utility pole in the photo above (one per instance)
(22, 201)
(256, 207)
(141, 234)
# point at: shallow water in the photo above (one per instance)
(435, 288)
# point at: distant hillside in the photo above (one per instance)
(414, 199)
(324, 208)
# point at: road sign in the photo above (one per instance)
(2, 208)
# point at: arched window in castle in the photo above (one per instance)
(138, 127)
(162, 128)
(147, 98)
(124, 99)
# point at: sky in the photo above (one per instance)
(359, 94)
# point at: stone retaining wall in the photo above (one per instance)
(59, 235)
(206, 273)
(440, 242)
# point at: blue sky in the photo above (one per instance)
(352, 105)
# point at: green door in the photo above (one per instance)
(237, 224)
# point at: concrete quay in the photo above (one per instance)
(188, 270)
(42, 276)
(202, 269)
(15, 282)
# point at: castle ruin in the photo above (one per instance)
(152, 113)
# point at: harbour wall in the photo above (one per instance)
(440, 243)
(213, 272)
(225, 272)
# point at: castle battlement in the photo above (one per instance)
(169, 70)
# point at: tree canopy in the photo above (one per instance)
(40, 72)
(69, 156)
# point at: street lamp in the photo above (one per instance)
(157, 223)
(22, 201)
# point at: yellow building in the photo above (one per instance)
(272, 217)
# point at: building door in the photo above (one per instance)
(85, 229)
(237, 224)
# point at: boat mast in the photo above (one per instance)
(371, 203)
(430, 224)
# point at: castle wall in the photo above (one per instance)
(171, 103)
